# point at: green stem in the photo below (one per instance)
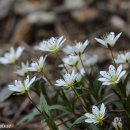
(80, 98)
(112, 56)
(51, 84)
(47, 79)
(82, 63)
(35, 105)
(62, 62)
(116, 93)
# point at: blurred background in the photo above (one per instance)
(27, 22)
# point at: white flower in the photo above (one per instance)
(68, 80)
(90, 61)
(52, 45)
(108, 40)
(21, 86)
(38, 65)
(78, 49)
(71, 60)
(117, 123)
(123, 58)
(11, 56)
(97, 115)
(112, 76)
(23, 70)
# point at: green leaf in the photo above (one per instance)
(126, 79)
(5, 93)
(78, 121)
(29, 117)
(59, 107)
(43, 105)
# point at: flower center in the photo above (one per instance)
(70, 85)
(99, 118)
(114, 79)
(39, 69)
(54, 47)
(23, 89)
(13, 60)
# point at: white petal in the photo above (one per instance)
(89, 115)
(121, 74)
(31, 82)
(103, 79)
(86, 43)
(112, 70)
(102, 109)
(119, 69)
(19, 51)
(3, 60)
(14, 88)
(90, 121)
(106, 83)
(60, 82)
(116, 38)
(95, 110)
(105, 74)
(101, 41)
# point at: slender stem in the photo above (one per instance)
(112, 56)
(62, 62)
(116, 93)
(81, 100)
(47, 79)
(65, 121)
(128, 63)
(89, 80)
(77, 69)
(35, 105)
(82, 63)
(86, 81)
(53, 86)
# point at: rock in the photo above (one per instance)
(41, 17)
(5, 6)
(117, 22)
(84, 15)
(24, 7)
(21, 32)
(74, 4)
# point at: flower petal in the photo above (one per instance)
(119, 70)
(106, 83)
(102, 109)
(103, 79)
(89, 115)
(90, 121)
(112, 70)
(95, 110)
(105, 74)
(101, 41)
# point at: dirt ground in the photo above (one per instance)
(27, 22)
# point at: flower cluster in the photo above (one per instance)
(78, 77)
